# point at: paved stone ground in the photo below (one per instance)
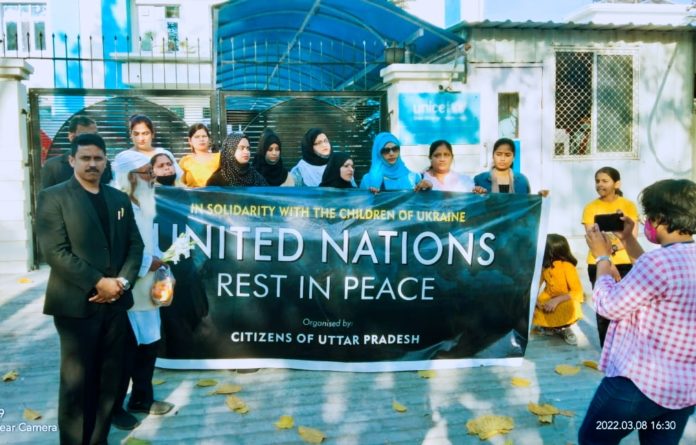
(350, 408)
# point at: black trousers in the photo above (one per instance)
(603, 323)
(139, 366)
(91, 358)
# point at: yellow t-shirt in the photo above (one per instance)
(599, 207)
(196, 173)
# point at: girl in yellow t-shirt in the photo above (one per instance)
(611, 200)
(558, 304)
(199, 165)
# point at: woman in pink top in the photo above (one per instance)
(440, 173)
(649, 354)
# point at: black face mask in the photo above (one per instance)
(166, 180)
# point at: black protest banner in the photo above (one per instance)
(346, 280)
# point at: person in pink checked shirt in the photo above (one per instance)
(649, 355)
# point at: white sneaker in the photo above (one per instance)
(568, 336)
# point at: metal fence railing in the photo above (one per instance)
(142, 62)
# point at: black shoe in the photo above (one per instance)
(123, 420)
(155, 408)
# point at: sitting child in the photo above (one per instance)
(558, 304)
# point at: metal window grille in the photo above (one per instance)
(595, 105)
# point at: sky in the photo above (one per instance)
(536, 10)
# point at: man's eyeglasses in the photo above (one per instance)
(394, 149)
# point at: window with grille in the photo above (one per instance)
(24, 26)
(595, 104)
(159, 27)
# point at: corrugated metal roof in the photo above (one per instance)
(314, 44)
(569, 26)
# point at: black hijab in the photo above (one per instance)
(308, 153)
(231, 171)
(275, 174)
(332, 174)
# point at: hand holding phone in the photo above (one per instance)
(610, 222)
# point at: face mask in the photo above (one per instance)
(650, 232)
(166, 180)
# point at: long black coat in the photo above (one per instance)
(75, 247)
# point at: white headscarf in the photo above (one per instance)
(129, 160)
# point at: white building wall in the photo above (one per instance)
(665, 108)
(435, 11)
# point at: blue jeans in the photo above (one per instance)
(619, 407)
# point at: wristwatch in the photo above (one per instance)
(124, 282)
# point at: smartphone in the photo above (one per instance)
(610, 222)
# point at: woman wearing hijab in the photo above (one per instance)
(268, 161)
(388, 171)
(235, 169)
(339, 172)
(316, 150)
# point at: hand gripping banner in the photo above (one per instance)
(314, 278)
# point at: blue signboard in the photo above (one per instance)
(426, 117)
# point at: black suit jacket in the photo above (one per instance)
(71, 238)
(58, 169)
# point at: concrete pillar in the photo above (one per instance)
(16, 244)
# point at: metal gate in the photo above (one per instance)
(350, 120)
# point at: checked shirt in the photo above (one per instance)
(652, 336)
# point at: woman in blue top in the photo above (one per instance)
(500, 178)
(388, 171)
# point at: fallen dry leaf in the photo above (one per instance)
(225, 389)
(520, 382)
(489, 426)
(427, 374)
(10, 376)
(206, 382)
(546, 412)
(542, 410)
(399, 408)
(30, 414)
(156, 382)
(591, 364)
(311, 435)
(567, 369)
(547, 418)
(285, 422)
(136, 441)
(236, 404)
(24, 280)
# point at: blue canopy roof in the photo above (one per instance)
(314, 44)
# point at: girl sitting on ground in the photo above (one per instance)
(558, 305)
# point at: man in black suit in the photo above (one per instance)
(58, 169)
(89, 238)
